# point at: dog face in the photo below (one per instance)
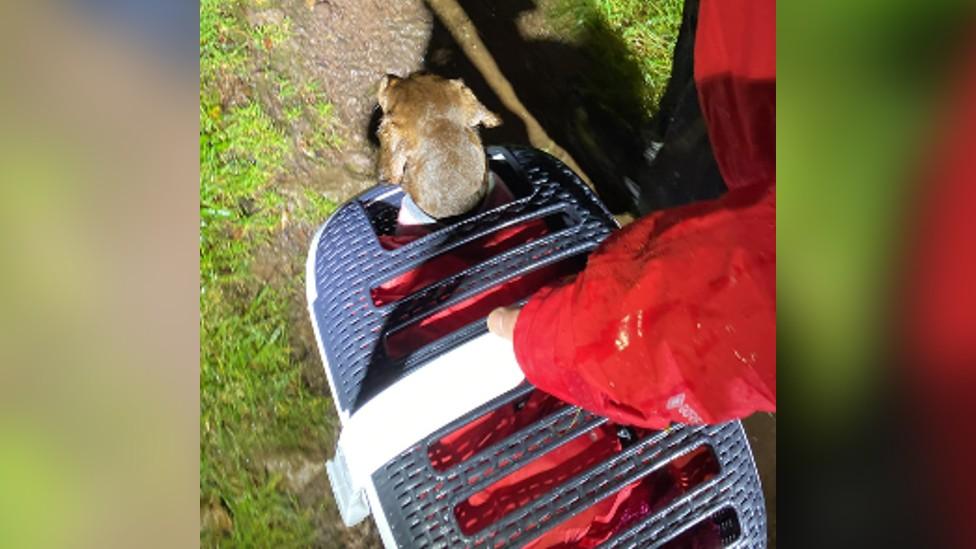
(429, 142)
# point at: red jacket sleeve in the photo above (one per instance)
(674, 317)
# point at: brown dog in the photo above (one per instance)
(429, 142)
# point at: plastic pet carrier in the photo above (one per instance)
(443, 442)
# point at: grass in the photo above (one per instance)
(252, 397)
(634, 39)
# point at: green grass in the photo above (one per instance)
(252, 398)
(269, 35)
(634, 39)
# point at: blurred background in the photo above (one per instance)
(108, 408)
(875, 317)
(99, 367)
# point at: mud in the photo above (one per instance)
(298, 472)
(348, 45)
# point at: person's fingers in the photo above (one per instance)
(501, 321)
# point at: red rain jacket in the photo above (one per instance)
(674, 317)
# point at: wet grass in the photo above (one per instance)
(633, 39)
(252, 397)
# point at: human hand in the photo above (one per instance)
(501, 322)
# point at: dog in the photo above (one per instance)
(429, 142)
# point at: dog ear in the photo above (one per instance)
(386, 85)
(489, 119)
(475, 112)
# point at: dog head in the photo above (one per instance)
(429, 142)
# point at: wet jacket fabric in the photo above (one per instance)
(674, 317)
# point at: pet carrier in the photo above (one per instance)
(443, 442)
